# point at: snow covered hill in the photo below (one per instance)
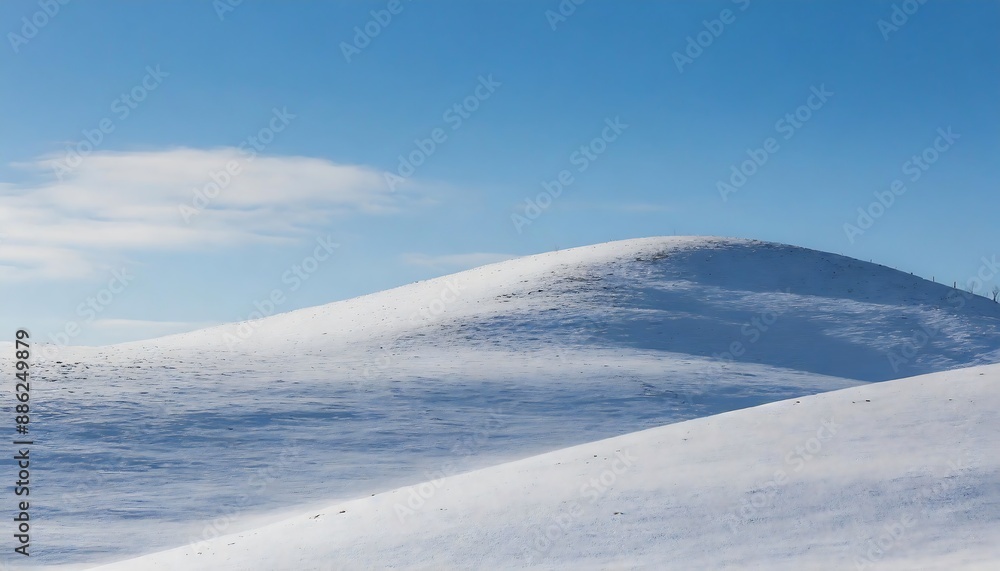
(896, 475)
(200, 434)
(785, 306)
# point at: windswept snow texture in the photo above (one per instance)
(154, 444)
(897, 475)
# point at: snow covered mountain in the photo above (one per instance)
(215, 431)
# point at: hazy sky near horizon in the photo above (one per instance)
(179, 160)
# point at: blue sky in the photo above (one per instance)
(532, 87)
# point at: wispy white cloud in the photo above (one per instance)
(113, 202)
(455, 261)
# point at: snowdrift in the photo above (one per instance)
(896, 475)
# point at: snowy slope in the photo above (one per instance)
(896, 475)
(690, 295)
(195, 435)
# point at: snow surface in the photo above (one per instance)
(154, 444)
(688, 295)
(895, 475)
